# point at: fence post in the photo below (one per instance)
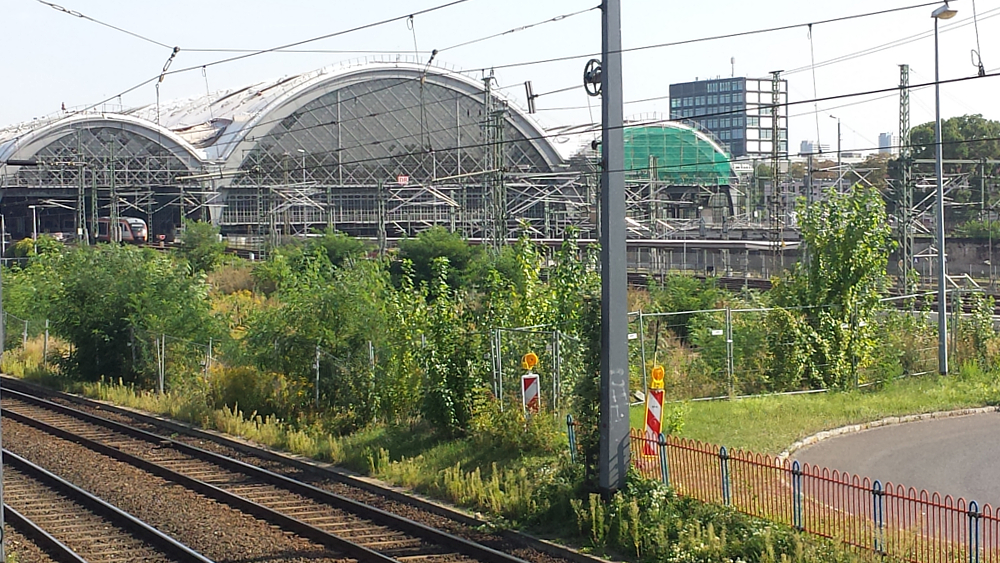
(729, 351)
(664, 465)
(797, 496)
(208, 357)
(316, 367)
(371, 356)
(571, 435)
(724, 465)
(493, 362)
(555, 370)
(500, 367)
(878, 515)
(163, 361)
(131, 342)
(24, 336)
(45, 346)
(642, 351)
(974, 516)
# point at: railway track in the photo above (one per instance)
(72, 525)
(347, 526)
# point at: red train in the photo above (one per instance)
(133, 229)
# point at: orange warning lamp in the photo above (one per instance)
(657, 373)
(529, 361)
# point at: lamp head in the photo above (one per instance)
(944, 12)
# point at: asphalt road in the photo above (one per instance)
(954, 456)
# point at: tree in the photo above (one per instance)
(111, 297)
(963, 137)
(338, 246)
(201, 246)
(434, 243)
(834, 291)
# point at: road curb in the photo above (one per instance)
(888, 421)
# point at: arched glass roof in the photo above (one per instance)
(100, 151)
(375, 130)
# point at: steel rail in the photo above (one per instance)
(101, 508)
(400, 523)
(315, 469)
(258, 510)
(49, 544)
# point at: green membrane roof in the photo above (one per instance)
(684, 154)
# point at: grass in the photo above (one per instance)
(771, 424)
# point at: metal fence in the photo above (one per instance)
(888, 519)
(723, 353)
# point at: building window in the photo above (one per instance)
(724, 98)
(700, 111)
(699, 101)
(675, 103)
(674, 114)
(737, 122)
(753, 122)
(737, 98)
(737, 133)
(724, 135)
(688, 102)
(725, 123)
(765, 134)
(713, 87)
(737, 86)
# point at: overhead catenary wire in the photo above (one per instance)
(519, 28)
(509, 65)
(893, 44)
(597, 128)
(715, 37)
(273, 49)
(77, 14)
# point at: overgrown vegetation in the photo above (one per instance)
(406, 366)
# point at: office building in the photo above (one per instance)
(737, 111)
(888, 143)
(811, 147)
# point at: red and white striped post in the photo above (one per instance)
(654, 412)
(531, 400)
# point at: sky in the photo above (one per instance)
(54, 58)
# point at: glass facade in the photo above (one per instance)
(732, 109)
(377, 130)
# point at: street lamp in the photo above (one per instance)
(840, 172)
(303, 153)
(943, 12)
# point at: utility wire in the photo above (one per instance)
(322, 37)
(641, 123)
(510, 65)
(271, 50)
(517, 29)
(716, 37)
(892, 44)
(74, 13)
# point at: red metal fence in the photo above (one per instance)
(888, 519)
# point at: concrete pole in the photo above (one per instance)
(614, 441)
